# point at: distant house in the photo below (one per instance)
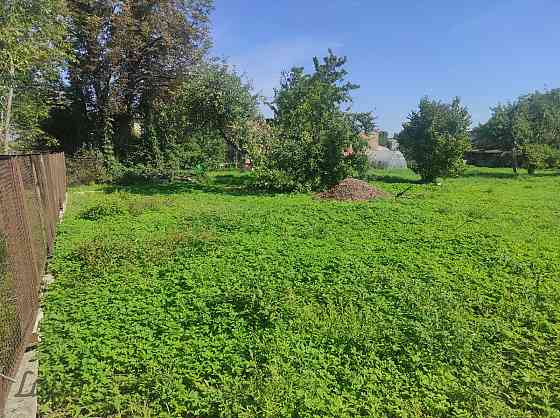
(489, 158)
(372, 140)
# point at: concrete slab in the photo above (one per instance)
(22, 399)
(48, 279)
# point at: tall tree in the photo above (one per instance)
(129, 53)
(32, 50)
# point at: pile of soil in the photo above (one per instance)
(352, 189)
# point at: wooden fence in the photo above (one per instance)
(32, 195)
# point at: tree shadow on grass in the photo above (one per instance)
(508, 175)
(391, 179)
(231, 180)
(229, 185)
(395, 179)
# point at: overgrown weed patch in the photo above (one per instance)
(202, 300)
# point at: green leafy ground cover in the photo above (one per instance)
(211, 301)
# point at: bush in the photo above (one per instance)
(135, 174)
(274, 180)
(103, 210)
(552, 160)
(435, 138)
(539, 156)
(87, 166)
(201, 171)
(314, 144)
(132, 175)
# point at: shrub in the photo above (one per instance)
(103, 210)
(435, 138)
(315, 143)
(201, 171)
(552, 160)
(274, 180)
(85, 167)
(539, 156)
(132, 175)
(135, 174)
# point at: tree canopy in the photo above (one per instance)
(318, 139)
(206, 116)
(33, 49)
(133, 81)
(435, 138)
(128, 55)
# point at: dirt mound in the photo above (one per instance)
(352, 189)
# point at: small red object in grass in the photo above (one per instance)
(352, 189)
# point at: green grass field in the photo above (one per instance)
(208, 300)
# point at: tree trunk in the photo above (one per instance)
(514, 160)
(8, 112)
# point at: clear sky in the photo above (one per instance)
(484, 51)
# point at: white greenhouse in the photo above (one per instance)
(387, 158)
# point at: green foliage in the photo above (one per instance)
(87, 166)
(383, 138)
(128, 56)
(435, 138)
(552, 157)
(200, 170)
(103, 210)
(33, 35)
(207, 115)
(312, 131)
(32, 50)
(497, 132)
(276, 180)
(539, 156)
(540, 113)
(524, 126)
(206, 300)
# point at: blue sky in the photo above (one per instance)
(482, 51)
